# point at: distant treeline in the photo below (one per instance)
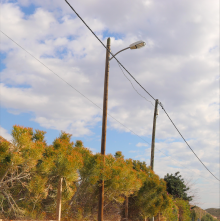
(214, 212)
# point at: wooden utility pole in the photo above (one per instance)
(126, 208)
(153, 135)
(59, 197)
(153, 139)
(104, 127)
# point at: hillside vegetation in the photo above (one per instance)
(214, 212)
(203, 214)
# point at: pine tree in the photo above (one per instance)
(176, 186)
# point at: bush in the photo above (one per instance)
(208, 217)
(184, 210)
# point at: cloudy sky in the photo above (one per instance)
(179, 66)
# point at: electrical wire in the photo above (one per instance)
(187, 142)
(133, 85)
(148, 101)
(73, 87)
(137, 83)
(109, 50)
(93, 102)
(100, 107)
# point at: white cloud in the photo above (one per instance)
(133, 151)
(179, 66)
(142, 145)
(4, 133)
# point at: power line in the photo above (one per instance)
(137, 83)
(187, 142)
(109, 51)
(92, 101)
(133, 85)
(165, 112)
(73, 87)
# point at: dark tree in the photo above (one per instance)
(118, 154)
(176, 186)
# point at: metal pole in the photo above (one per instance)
(153, 139)
(104, 126)
(59, 197)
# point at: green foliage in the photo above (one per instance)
(178, 209)
(60, 160)
(176, 186)
(118, 174)
(214, 211)
(18, 168)
(151, 198)
(184, 209)
(193, 215)
(120, 177)
(207, 217)
(141, 166)
(65, 159)
(5, 157)
(118, 154)
(79, 143)
(30, 170)
(172, 211)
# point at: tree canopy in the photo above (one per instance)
(30, 171)
(176, 186)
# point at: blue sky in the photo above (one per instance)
(178, 65)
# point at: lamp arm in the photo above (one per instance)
(118, 52)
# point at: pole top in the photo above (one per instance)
(108, 40)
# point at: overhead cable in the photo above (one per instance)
(135, 81)
(186, 141)
(133, 85)
(109, 50)
(73, 87)
(94, 102)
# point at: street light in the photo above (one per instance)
(135, 45)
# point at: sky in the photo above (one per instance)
(179, 66)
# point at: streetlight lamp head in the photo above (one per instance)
(137, 45)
